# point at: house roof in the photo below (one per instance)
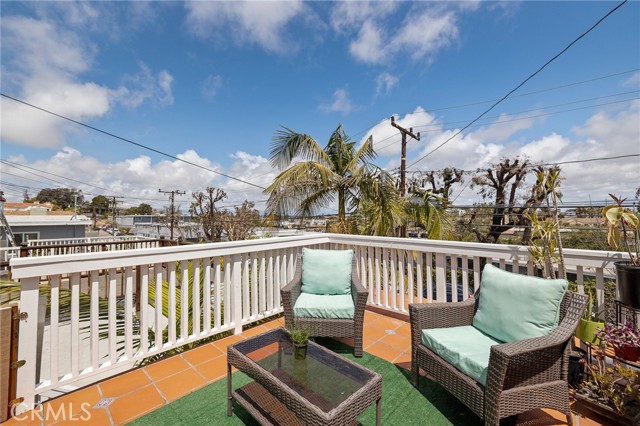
(48, 220)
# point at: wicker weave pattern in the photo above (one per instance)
(308, 413)
(328, 327)
(522, 375)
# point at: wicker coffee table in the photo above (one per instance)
(323, 389)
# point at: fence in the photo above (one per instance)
(209, 289)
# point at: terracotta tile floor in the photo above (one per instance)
(145, 389)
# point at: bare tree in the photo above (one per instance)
(504, 183)
(239, 225)
(207, 213)
(441, 182)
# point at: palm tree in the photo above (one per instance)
(337, 171)
(430, 212)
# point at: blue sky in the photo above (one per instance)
(211, 82)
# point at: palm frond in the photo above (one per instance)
(287, 145)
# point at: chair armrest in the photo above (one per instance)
(359, 294)
(290, 293)
(439, 315)
(530, 361)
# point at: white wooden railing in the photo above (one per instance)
(230, 285)
(60, 241)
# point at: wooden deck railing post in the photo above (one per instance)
(27, 343)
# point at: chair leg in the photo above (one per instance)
(569, 418)
(357, 345)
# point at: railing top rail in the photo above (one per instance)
(94, 243)
(71, 263)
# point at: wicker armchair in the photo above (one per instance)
(522, 375)
(322, 327)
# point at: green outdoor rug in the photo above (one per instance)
(402, 404)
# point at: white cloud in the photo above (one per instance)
(605, 134)
(262, 23)
(340, 102)
(633, 81)
(145, 86)
(504, 127)
(211, 85)
(43, 65)
(385, 82)
(425, 30)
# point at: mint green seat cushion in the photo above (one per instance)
(515, 307)
(332, 306)
(326, 271)
(466, 348)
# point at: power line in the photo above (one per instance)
(157, 151)
(523, 82)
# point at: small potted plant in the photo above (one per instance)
(300, 337)
(624, 233)
(589, 324)
(624, 338)
(612, 391)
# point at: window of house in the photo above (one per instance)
(23, 237)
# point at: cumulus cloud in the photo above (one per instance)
(385, 82)
(211, 85)
(425, 29)
(43, 64)
(145, 86)
(607, 133)
(340, 102)
(260, 23)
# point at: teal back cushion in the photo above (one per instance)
(515, 307)
(326, 271)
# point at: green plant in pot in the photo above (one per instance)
(616, 387)
(589, 324)
(624, 338)
(624, 233)
(300, 337)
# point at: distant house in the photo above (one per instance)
(34, 225)
(32, 208)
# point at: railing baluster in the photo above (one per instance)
(385, 276)
(246, 312)
(227, 290)
(262, 283)
(128, 312)
(184, 301)
(157, 269)
(95, 320)
(172, 307)
(401, 276)
(206, 264)
(195, 289)
(254, 286)
(144, 303)
(419, 278)
(75, 323)
(411, 285)
(370, 255)
(113, 338)
(54, 327)
(217, 297)
(236, 288)
(441, 277)
(465, 277)
(270, 286)
(393, 269)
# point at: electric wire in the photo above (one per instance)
(522, 83)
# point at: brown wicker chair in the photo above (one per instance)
(522, 375)
(328, 327)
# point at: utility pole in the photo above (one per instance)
(171, 201)
(403, 161)
(115, 207)
(75, 202)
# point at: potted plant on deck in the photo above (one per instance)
(589, 324)
(624, 232)
(300, 337)
(624, 338)
(613, 392)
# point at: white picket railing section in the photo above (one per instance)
(213, 288)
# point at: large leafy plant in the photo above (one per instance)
(623, 228)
